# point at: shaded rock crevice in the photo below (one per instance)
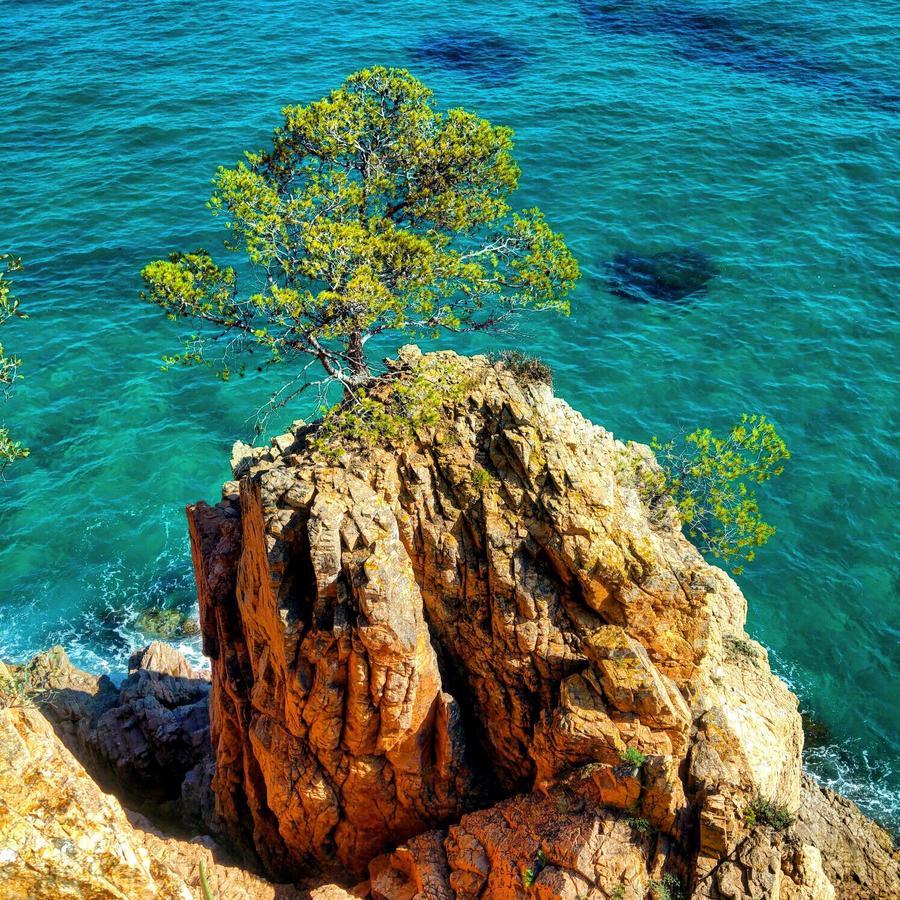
(147, 741)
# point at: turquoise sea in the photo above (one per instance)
(763, 135)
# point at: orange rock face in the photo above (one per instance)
(397, 647)
(532, 844)
(334, 738)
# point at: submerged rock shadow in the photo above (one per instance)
(489, 58)
(672, 276)
(717, 39)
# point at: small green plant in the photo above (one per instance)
(16, 688)
(667, 888)
(481, 479)
(640, 826)
(10, 450)
(737, 647)
(633, 757)
(709, 481)
(618, 892)
(768, 812)
(531, 873)
(524, 367)
(392, 409)
(204, 884)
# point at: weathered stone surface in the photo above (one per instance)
(805, 877)
(72, 697)
(62, 837)
(858, 857)
(579, 730)
(633, 685)
(162, 660)
(746, 740)
(365, 746)
(140, 740)
(393, 647)
(225, 881)
(766, 865)
(328, 891)
(528, 845)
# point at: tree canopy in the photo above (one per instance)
(10, 450)
(710, 480)
(371, 211)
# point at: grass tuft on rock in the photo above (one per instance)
(768, 812)
(525, 368)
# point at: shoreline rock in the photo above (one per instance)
(566, 835)
(146, 740)
(438, 686)
(62, 837)
(397, 650)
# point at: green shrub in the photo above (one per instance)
(768, 812)
(531, 873)
(633, 757)
(524, 367)
(391, 410)
(16, 688)
(10, 450)
(481, 479)
(709, 481)
(667, 888)
(736, 646)
(641, 826)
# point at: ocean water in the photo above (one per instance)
(764, 136)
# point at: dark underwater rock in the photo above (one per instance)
(815, 732)
(490, 58)
(671, 276)
(712, 38)
(718, 39)
(616, 16)
(167, 623)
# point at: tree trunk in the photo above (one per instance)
(356, 358)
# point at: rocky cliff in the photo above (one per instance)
(470, 663)
(147, 740)
(465, 661)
